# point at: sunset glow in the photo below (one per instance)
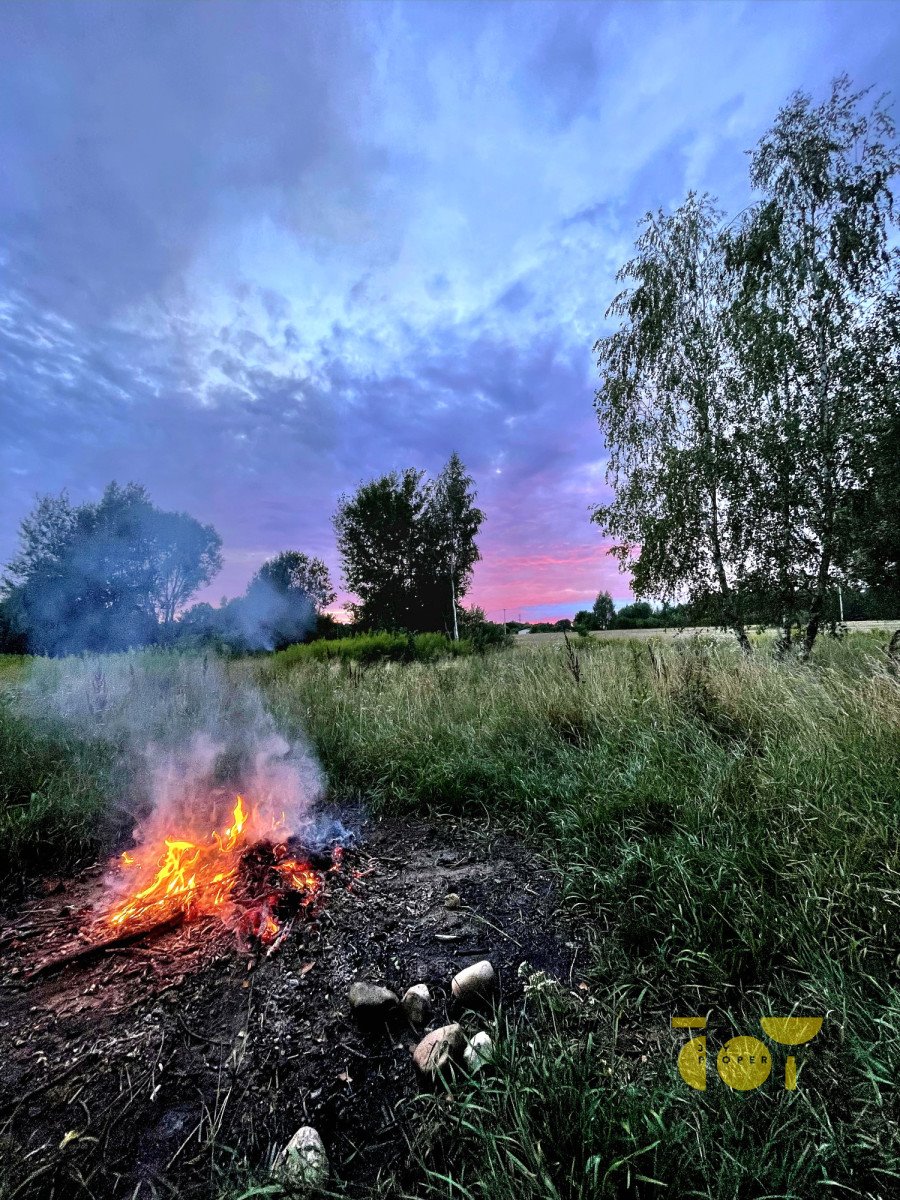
(249, 298)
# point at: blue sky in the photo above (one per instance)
(253, 253)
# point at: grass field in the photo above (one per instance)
(726, 838)
(883, 628)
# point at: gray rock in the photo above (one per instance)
(416, 1004)
(371, 1000)
(436, 1049)
(475, 982)
(303, 1160)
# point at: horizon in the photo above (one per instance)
(257, 253)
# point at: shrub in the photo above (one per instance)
(483, 634)
(375, 647)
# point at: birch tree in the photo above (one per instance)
(816, 331)
(672, 417)
(749, 395)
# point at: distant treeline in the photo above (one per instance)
(850, 604)
(119, 573)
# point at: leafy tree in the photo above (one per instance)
(102, 576)
(185, 554)
(639, 615)
(639, 610)
(284, 599)
(668, 410)
(482, 633)
(749, 393)
(583, 621)
(454, 522)
(45, 536)
(604, 611)
(874, 560)
(13, 639)
(408, 547)
(816, 339)
(291, 571)
(381, 538)
(280, 606)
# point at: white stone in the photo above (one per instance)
(475, 981)
(478, 1052)
(303, 1160)
(416, 1003)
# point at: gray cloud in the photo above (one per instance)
(254, 252)
(126, 128)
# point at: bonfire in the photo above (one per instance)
(255, 884)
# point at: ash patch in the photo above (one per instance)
(159, 1065)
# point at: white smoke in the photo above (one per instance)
(193, 734)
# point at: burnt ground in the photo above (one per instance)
(147, 1070)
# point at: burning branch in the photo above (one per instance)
(252, 886)
(257, 889)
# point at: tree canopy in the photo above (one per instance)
(603, 611)
(292, 572)
(105, 576)
(408, 547)
(284, 599)
(281, 605)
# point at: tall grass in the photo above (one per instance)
(726, 832)
(55, 793)
(370, 648)
(726, 837)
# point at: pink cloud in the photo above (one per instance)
(547, 584)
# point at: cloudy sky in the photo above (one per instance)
(252, 253)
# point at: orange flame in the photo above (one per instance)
(196, 878)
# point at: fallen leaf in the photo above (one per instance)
(306, 968)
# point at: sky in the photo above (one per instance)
(253, 253)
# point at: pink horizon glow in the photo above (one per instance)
(542, 585)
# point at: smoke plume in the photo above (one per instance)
(192, 735)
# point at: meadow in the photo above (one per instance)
(725, 835)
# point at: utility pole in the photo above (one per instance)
(453, 596)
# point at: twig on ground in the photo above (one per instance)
(497, 928)
(84, 953)
(16, 1101)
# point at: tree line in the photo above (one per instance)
(749, 394)
(119, 573)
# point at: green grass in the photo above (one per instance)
(55, 794)
(726, 837)
(726, 833)
(371, 648)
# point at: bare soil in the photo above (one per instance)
(147, 1070)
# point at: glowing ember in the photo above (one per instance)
(246, 883)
